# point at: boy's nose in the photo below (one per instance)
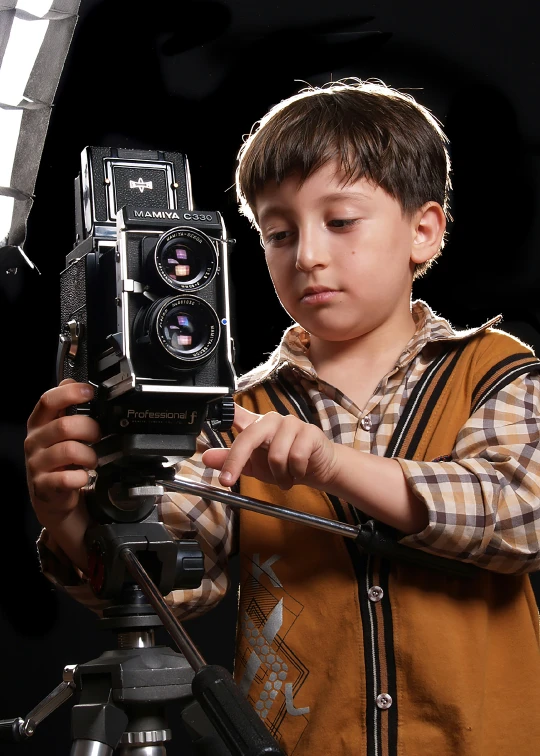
(311, 252)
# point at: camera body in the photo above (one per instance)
(145, 303)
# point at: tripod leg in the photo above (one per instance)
(84, 747)
(97, 725)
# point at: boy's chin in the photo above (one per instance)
(333, 334)
(333, 330)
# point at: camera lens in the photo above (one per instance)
(186, 329)
(182, 333)
(185, 258)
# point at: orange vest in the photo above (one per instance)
(346, 652)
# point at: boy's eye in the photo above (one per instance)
(342, 222)
(278, 236)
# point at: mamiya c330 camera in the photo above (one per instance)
(145, 309)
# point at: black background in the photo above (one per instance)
(194, 76)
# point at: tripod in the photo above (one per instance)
(122, 694)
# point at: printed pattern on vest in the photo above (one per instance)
(272, 675)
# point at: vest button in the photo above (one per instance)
(365, 423)
(375, 593)
(384, 701)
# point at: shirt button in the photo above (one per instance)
(365, 423)
(375, 593)
(384, 701)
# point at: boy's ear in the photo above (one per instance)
(429, 225)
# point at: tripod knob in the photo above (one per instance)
(221, 413)
(145, 737)
(189, 564)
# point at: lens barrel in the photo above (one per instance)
(183, 330)
(185, 259)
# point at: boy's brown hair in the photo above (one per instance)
(375, 132)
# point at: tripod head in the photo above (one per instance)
(122, 503)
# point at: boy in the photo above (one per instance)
(370, 409)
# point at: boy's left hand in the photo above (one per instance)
(275, 449)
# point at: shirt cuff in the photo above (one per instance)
(62, 573)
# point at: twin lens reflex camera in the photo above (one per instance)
(145, 306)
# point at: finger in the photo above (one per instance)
(257, 434)
(300, 454)
(64, 382)
(61, 456)
(280, 450)
(214, 458)
(77, 427)
(243, 417)
(57, 489)
(57, 399)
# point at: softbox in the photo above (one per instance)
(35, 36)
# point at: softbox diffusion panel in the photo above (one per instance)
(34, 40)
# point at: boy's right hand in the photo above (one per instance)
(57, 451)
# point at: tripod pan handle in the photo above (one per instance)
(230, 713)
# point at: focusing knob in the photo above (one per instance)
(222, 416)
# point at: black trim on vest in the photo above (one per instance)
(481, 395)
(360, 562)
(364, 566)
(358, 517)
(373, 713)
(495, 369)
(409, 412)
(392, 712)
(274, 398)
(297, 399)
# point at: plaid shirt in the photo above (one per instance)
(483, 505)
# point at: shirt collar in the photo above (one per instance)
(294, 346)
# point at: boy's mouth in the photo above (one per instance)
(317, 294)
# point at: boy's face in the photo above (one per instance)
(340, 256)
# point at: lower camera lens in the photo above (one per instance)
(184, 334)
(185, 329)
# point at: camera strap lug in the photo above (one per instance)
(130, 285)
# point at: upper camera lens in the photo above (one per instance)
(179, 263)
(185, 259)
